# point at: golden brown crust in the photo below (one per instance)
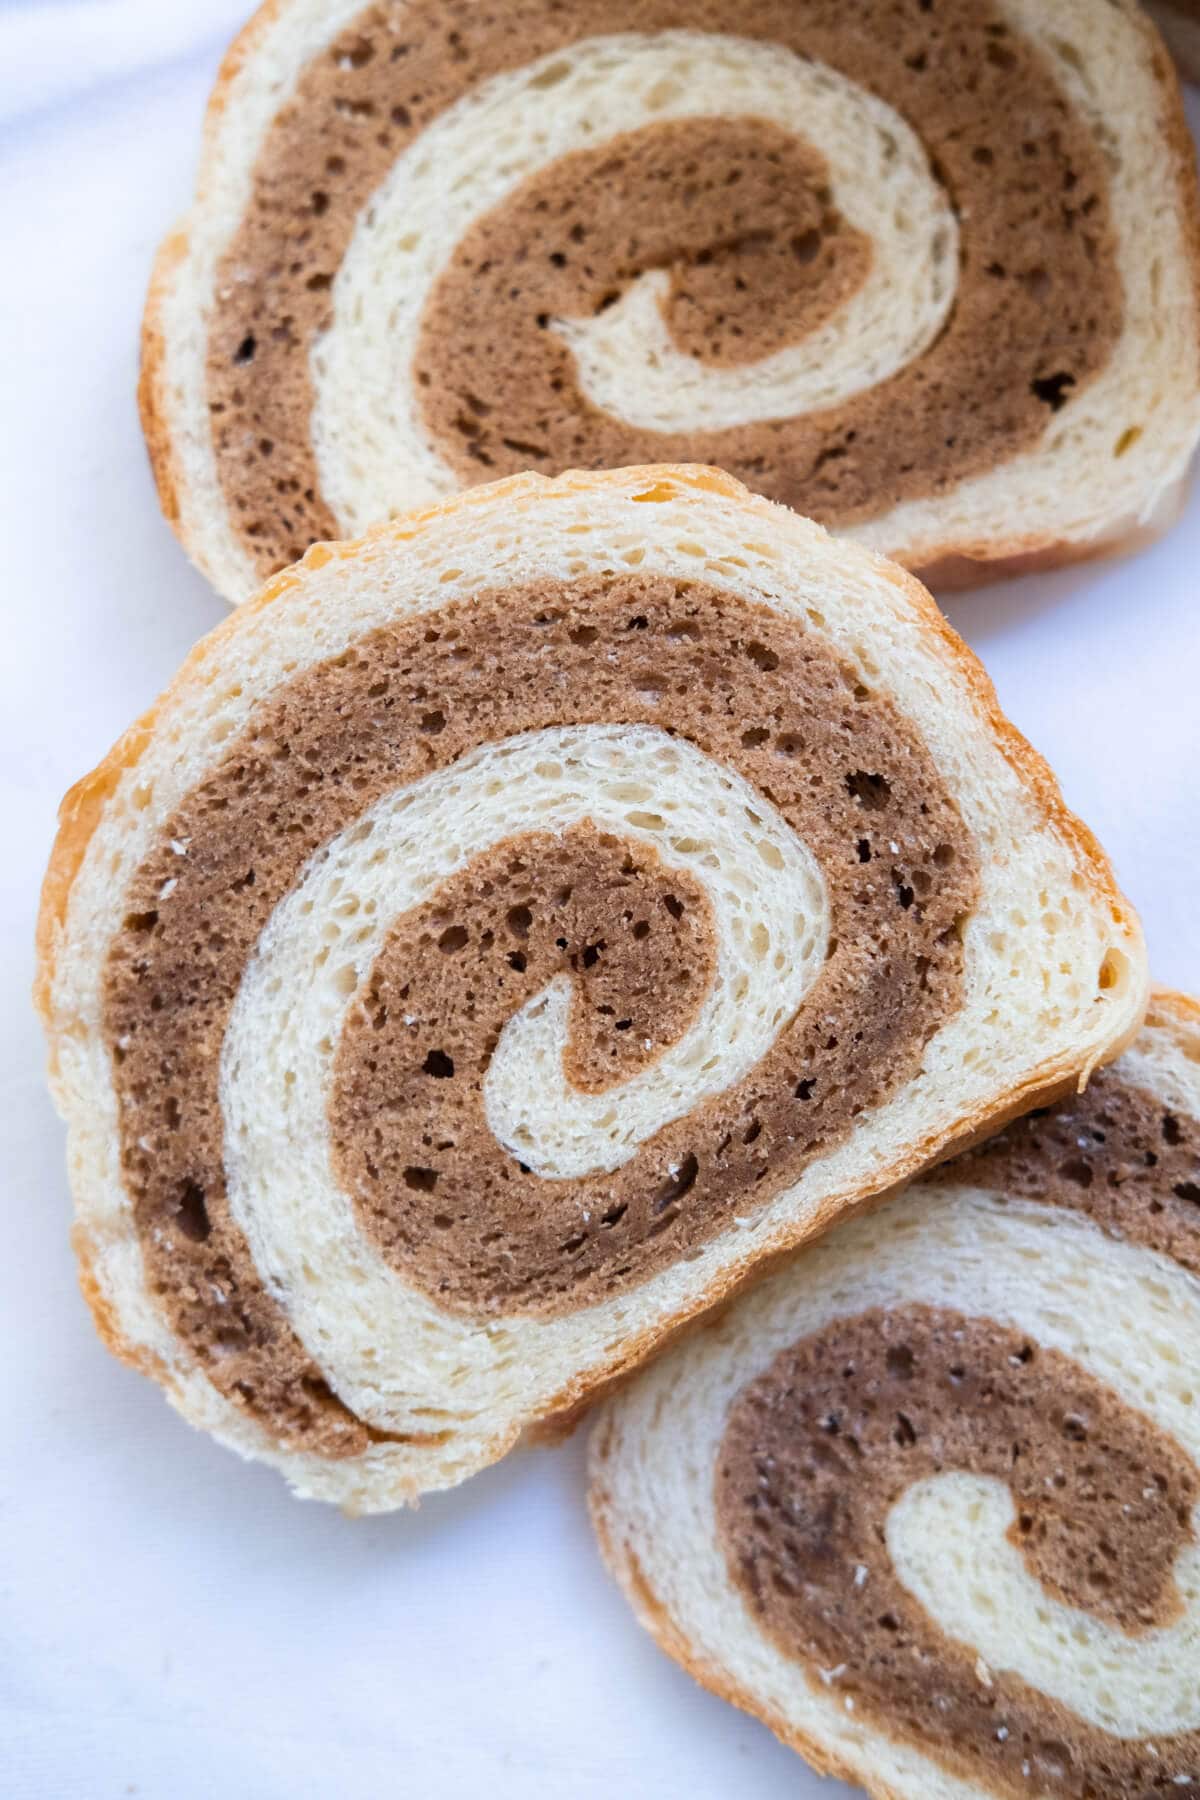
(151, 398)
(107, 1330)
(166, 465)
(243, 47)
(1168, 1006)
(93, 1293)
(948, 568)
(959, 571)
(78, 817)
(1022, 757)
(83, 808)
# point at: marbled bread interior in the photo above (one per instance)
(511, 930)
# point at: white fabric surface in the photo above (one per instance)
(172, 1625)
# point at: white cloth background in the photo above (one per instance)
(172, 1625)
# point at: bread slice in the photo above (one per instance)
(510, 931)
(1179, 22)
(796, 242)
(925, 1501)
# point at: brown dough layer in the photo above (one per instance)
(1039, 302)
(821, 1446)
(1114, 1152)
(752, 690)
(777, 261)
(473, 1226)
(774, 261)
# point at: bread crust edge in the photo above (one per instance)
(959, 571)
(652, 1615)
(168, 465)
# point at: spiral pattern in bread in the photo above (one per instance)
(929, 278)
(512, 928)
(927, 1502)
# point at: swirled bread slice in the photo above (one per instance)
(926, 1501)
(926, 275)
(510, 930)
(1179, 22)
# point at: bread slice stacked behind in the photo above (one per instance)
(928, 275)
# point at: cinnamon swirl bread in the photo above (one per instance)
(926, 1501)
(928, 275)
(510, 930)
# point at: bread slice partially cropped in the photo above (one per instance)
(1179, 22)
(927, 275)
(509, 932)
(925, 1502)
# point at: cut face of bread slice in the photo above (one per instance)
(1179, 22)
(929, 277)
(510, 930)
(926, 1501)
